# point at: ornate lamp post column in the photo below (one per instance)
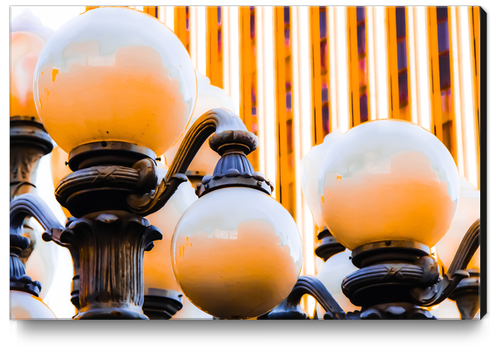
(113, 86)
(29, 142)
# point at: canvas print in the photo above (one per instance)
(247, 163)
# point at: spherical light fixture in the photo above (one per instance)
(113, 69)
(27, 40)
(25, 306)
(310, 169)
(331, 275)
(236, 253)
(388, 180)
(157, 263)
(42, 262)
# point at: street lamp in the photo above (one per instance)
(401, 184)
(29, 256)
(114, 87)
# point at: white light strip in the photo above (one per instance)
(193, 35)
(201, 39)
(423, 74)
(161, 14)
(302, 119)
(168, 16)
(332, 88)
(468, 107)
(342, 43)
(266, 96)
(234, 67)
(225, 39)
(259, 36)
(456, 87)
(371, 61)
(296, 102)
(381, 61)
(413, 64)
(302, 113)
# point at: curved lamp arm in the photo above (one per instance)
(228, 129)
(312, 286)
(437, 293)
(30, 205)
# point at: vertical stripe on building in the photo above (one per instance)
(321, 123)
(394, 100)
(248, 74)
(436, 121)
(285, 140)
(181, 25)
(468, 109)
(354, 107)
(151, 10)
(339, 76)
(266, 98)
(300, 37)
(476, 54)
(214, 47)
(197, 29)
(231, 58)
(456, 86)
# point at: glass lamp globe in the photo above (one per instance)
(59, 170)
(190, 311)
(331, 274)
(42, 263)
(157, 265)
(27, 306)
(236, 253)
(310, 169)
(27, 39)
(208, 97)
(468, 212)
(388, 180)
(115, 74)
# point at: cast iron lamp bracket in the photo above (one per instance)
(18, 279)
(22, 207)
(290, 307)
(231, 140)
(467, 295)
(440, 291)
(30, 205)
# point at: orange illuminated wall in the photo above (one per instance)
(319, 72)
(248, 74)
(214, 46)
(181, 25)
(151, 10)
(285, 182)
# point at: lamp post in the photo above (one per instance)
(113, 87)
(402, 185)
(29, 141)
